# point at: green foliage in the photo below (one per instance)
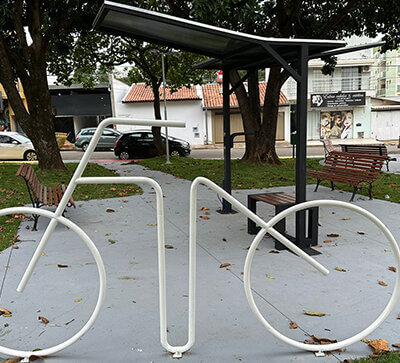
(13, 191)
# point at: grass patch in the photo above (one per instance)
(254, 176)
(13, 191)
(393, 357)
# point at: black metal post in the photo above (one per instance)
(227, 207)
(301, 144)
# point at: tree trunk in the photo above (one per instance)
(260, 146)
(158, 141)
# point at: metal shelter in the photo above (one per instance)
(231, 50)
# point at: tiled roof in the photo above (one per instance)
(142, 93)
(213, 97)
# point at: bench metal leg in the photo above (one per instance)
(370, 191)
(332, 185)
(316, 187)
(354, 193)
(251, 226)
(313, 215)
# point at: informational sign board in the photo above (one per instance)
(340, 99)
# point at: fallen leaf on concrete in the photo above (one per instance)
(78, 300)
(168, 247)
(43, 254)
(226, 264)
(398, 316)
(274, 251)
(151, 224)
(346, 219)
(62, 266)
(42, 318)
(396, 345)
(361, 232)
(379, 345)
(387, 250)
(35, 357)
(323, 340)
(317, 246)
(293, 325)
(204, 208)
(12, 360)
(5, 311)
(340, 269)
(15, 247)
(111, 241)
(328, 241)
(382, 283)
(110, 210)
(224, 239)
(391, 268)
(332, 235)
(108, 234)
(270, 277)
(204, 217)
(313, 313)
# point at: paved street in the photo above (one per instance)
(214, 153)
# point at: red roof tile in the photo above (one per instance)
(142, 93)
(213, 97)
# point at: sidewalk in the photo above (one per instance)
(127, 329)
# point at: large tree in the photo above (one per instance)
(28, 30)
(287, 19)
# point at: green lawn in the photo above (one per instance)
(13, 191)
(249, 176)
(393, 357)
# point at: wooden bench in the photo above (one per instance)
(371, 149)
(282, 201)
(351, 169)
(41, 195)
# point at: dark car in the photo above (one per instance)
(106, 141)
(140, 144)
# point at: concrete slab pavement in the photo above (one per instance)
(227, 331)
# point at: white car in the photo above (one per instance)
(16, 146)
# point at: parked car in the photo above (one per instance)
(107, 139)
(16, 146)
(140, 143)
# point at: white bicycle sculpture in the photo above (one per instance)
(77, 179)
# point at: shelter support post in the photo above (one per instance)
(226, 206)
(301, 146)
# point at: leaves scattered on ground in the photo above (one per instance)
(270, 277)
(293, 325)
(61, 266)
(169, 247)
(332, 235)
(392, 268)
(43, 319)
(382, 283)
(340, 269)
(226, 264)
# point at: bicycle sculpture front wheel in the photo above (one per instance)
(269, 228)
(101, 272)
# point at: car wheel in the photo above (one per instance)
(124, 155)
(174, 153)
(30, 155)
(85, 146)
